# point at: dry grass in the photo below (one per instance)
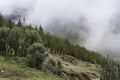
(72, 65)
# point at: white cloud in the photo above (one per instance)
(99, 14)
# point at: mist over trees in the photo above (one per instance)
(17, 38)
(102, 19)
(32, 43)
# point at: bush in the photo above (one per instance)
(59, 68)
(51, 66)
(54, 67)
(36, 55)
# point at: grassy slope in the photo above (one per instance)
(13, 71)
(74, 66)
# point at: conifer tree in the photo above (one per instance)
(1, 21)
(4, 32)
(19, 24)
(10, 24)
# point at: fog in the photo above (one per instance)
(93, 24)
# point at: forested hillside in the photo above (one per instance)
(32, 43)
(17, 38)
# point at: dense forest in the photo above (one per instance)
(17, 39)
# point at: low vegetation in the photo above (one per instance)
(110, 69)
(12, 70)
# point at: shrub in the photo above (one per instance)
(36, 55)
(51, 66)
(59, 68)
(54, 67)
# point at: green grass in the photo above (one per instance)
(14, 78)
(10, 70)
(2, 59)
(14, 68)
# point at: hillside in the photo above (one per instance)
(75, 68)
(29, 53)
(15, 69)
(11, 70)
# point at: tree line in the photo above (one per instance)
(16, 38)
(32, 42)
